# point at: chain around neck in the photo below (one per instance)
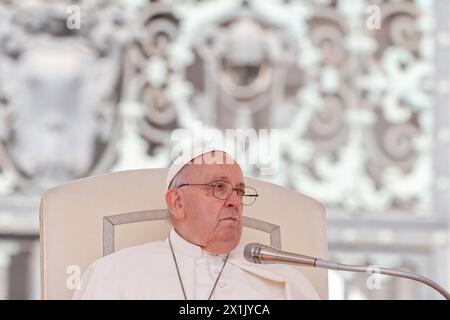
(179, 275)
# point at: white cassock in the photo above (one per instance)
(148, 272)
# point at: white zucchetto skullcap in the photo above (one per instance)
(185, 158)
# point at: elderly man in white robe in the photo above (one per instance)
(201, 257)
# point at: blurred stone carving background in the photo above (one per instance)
(358, 90)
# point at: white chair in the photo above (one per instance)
(88, 218)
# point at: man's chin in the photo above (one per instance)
(226, 243)
(229, 230)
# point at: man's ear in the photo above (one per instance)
(174, 204)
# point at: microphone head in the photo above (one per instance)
(252, 252)
(248, 252)
(261, 253)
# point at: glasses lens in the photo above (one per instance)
(250, 196)
(222, 189)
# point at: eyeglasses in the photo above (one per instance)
(223, 189)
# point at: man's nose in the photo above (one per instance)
(233, 200)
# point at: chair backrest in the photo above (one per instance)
(87, 218)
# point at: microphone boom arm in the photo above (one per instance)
(319, 263)
(260, 253)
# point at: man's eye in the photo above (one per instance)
(219, 186)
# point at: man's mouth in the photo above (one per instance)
(229, 219)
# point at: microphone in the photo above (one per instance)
(263, 254)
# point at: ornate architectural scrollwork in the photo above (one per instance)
(59, 101)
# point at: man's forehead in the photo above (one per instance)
(216, 171)
(220, 167)
(227, 178)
